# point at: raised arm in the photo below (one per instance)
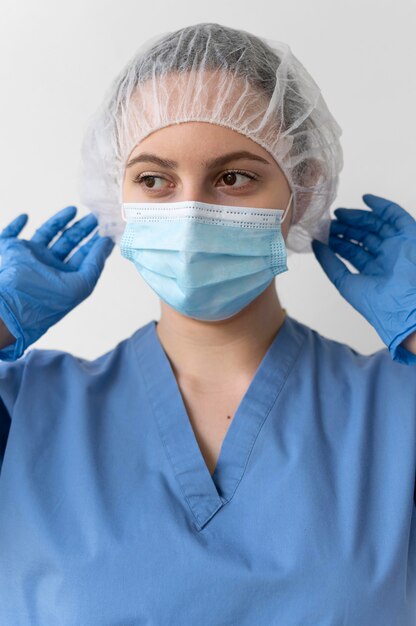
(40, 281)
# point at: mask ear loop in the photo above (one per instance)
(123, 216)
(287, 209)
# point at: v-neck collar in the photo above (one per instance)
(203, 493)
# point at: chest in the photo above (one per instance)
(210, 414)
(316, 526)
(107, 512)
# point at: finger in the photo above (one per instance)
(15, 227)
(93, 263)
(49, 229)
(389, 211)
(72, 236)
(366, 219)
(354, 253)
(333, 267)
(368, 240)
(79, 255)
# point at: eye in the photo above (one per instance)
(144, 179)
(230, 177)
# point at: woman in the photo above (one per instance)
(226, 464)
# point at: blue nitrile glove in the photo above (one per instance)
(37, 286)
(383, 250)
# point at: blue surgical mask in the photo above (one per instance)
(207, 261)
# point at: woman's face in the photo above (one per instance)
(193, 161)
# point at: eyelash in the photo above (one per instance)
(141, 177)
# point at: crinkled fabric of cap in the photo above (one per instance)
(212, 73)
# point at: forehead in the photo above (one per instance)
(219, 97)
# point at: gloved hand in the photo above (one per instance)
(37, 286)
(381, 244)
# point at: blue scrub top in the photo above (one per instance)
(110, 517)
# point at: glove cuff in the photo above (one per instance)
(398, 352)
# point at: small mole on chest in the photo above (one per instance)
(229, 417)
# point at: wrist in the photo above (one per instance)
(6, 337)
(410, 343)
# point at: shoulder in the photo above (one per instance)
(345, 362)
(50, 364)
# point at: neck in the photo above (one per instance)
(205, 354)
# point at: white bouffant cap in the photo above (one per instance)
(212, 73)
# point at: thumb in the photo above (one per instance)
(93, 263)
(333, 267)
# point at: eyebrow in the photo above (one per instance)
(221, 160)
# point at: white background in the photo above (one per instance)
(58, 58)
